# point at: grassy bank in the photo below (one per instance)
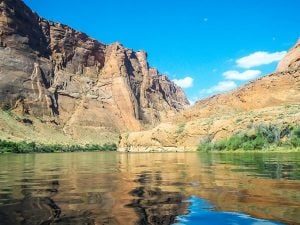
(263, 137)
(31, 147)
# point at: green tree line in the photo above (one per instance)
(32, 147)
(263, 137)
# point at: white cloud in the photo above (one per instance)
(222, 86)
(259, 58)
(236, 75)
(186, 82)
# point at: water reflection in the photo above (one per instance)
(153, 205)
(112, 188)
(202, 212)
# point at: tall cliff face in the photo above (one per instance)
(271, 99)
(51, 71)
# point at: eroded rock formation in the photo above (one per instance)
(49, 70)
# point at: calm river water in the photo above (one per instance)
(150, 188)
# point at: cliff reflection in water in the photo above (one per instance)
(152, 204)
(113, 188)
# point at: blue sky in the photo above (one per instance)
(198, 40)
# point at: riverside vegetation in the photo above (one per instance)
(263, 137)
(32, 147)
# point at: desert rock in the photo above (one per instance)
(51, 71)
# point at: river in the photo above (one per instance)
(150, 188)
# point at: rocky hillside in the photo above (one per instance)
(292, 60)
(272, 99)
(85, 89)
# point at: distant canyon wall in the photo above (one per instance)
(273, 99)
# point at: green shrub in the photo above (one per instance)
(260, 141)
(295, 142)
(295, 137)
(180, 128)
(6, 107)
(296, 132)
(234, 142)
(31, 147)
(109, 147)
(206, 145)
(270, 133)
(264, 137)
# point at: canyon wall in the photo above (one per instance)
(53, 72)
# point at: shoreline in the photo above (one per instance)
(23, 147)
(11, 147)
(155, 152)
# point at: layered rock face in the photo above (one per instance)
(272, 99)
(50, 71)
